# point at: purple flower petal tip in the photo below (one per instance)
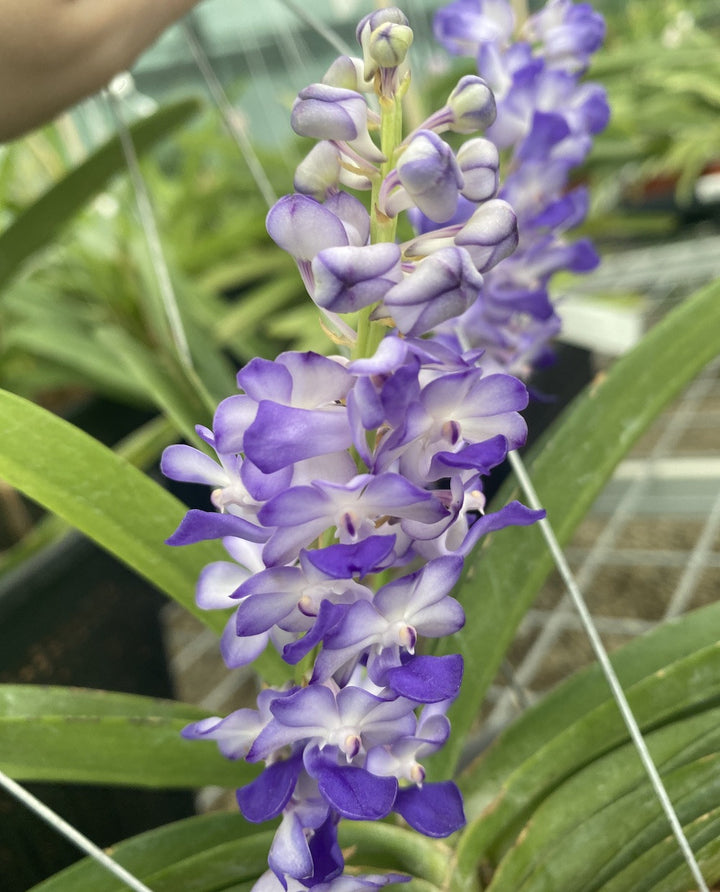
(198, 526)
(428, 679)
(433, 809)
(270, 792)
(359, 559)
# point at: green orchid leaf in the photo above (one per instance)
(201, 854)
(502, 579)
(221, 852)
(662, 868)
(170, 392)
(83, 736)
(102, 495)
(598, 794)
(610, 840)
(576, 697)
(395, 848)
(691, 684)
(37, 225)
(63, 343)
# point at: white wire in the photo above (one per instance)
(331, 36)
(601, 654)
(232, 118)
(152, 236)
(67, 830)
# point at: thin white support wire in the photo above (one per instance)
(597, 557)
(149, 226)
(68, 831)
(293, 48)
(601, 654)
(234, 121)
(312, 21)
(262, 81)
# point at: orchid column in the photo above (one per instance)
(349, 488)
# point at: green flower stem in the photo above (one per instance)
(382, 228)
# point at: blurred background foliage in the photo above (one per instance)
(661, 68)
(651, 169)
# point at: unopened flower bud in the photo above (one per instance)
(478, 161)
(370, 24)
(472, 105)
(373, 20)
(319, 171)
(430, 174)
(349, 278)
(441, 287)
(324, 112)
(389, 44)
(490, 234)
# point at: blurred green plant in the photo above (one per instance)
(661, 68)
(66, 300)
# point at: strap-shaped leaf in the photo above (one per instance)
(395, 848)
(206, 854)
(82, 736)
(221, 852)
(102, 495)
(37, 224)
(594, 851)
(578, 696)
(567, 822)
(569, 467)
(689, 685)
(662, 868)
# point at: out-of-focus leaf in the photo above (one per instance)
(37, 225)
(67, 345)
(166, 386)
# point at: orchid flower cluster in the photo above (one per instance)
(546, 120)
(349, 488)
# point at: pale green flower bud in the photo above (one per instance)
(388, 45)
(372, 23)
(472, 105)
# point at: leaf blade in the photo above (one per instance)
(103, 496)
(73, 735)
(36, 225)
